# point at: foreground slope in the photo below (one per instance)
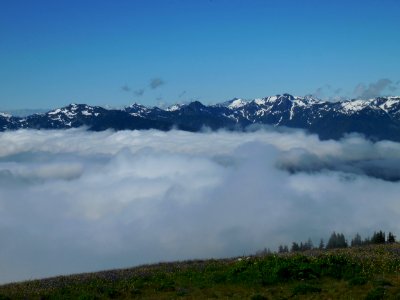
(368, 272)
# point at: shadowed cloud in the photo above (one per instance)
(126, 88)
(374, 89)
(139, 92)
(156, 82)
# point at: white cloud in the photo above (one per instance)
(77, 201)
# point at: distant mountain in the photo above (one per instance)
(377, 119)
(25, 112)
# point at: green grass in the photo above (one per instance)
(368, 272)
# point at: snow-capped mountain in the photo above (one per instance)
(376, 118)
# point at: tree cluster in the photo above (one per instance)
(379, 237)
(338, 240)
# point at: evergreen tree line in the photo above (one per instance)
(338, 240)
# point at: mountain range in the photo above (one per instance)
(377, 119)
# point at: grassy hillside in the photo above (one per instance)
(367, 272)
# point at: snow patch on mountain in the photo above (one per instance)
(390, 103)
(86, 113)
(68, 113)
(354, 105)
(237, 103)
(174, 107)
(272, 99)
(5, 115)
(259, 101)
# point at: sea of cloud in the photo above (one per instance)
(78, 201)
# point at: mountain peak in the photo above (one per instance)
(135, 105)
(236, 103)
(287, 96)
(174, 107)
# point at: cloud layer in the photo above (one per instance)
(77, 201)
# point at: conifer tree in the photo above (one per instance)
(391, 238)
(295, 247)
(378, 237)
(336, 240)
(356, 241)
(321, 245)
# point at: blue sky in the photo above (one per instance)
(160, 52)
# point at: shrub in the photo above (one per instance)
(258, 297)
(359, 280)
(376, 294)
(304, 288)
